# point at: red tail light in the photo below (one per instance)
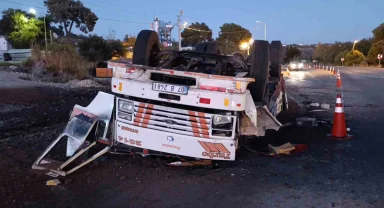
(205, 100)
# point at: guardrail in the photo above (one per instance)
(17, 54)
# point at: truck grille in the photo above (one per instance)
(173, 120)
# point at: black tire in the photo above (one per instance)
(259, 69)
(201, 47)
(208, 47)
(146, 48)
(7, 57)
(276, 56)
(213, 48)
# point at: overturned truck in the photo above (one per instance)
(192, 104)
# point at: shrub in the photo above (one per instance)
(63, 59)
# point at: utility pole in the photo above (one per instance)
(45, 34)
(179, 27)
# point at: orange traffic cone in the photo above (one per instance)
(339, 127)
(334, 72)
(338, 83)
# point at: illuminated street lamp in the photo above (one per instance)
(265, 29)
(246, 45)
(33, 11)
(354, 43)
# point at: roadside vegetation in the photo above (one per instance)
(360, 52)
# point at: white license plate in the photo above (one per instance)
(183, 90)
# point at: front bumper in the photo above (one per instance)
(172, 143)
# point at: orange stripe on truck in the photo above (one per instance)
(211, 147)
(206, 148)
(221, 147)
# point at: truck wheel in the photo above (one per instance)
(276, 56)
(208, 47)
(201, 47)
(146, 48)
(259, 69)
(213, 48)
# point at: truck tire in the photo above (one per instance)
(213, 48)
(146, 48)
(276, 56)
(201, 47)
(208, 47)
(259, 69)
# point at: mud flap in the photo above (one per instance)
(257, 119)
(82, 122)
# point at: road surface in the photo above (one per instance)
(330, 174)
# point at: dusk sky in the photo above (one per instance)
(292, 21)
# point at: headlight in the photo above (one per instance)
(301, 65)
(222, 122)
(218, 120)
(126, 106)
(293, 66)
(125, 116)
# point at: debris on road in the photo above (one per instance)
(305, 121)
(191, 163)
(314, 104)
(283, 149)
(325, 106)
(300, 148)
(53, 182)
(52, 174)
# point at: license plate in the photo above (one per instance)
(177, 89)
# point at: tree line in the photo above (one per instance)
(361, 52)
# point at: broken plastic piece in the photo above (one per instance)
(283, 149)
(53, 182)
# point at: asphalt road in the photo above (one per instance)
(329, 174)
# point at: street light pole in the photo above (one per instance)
(45, 34)
(354, 43)
(179, 27)
(33, 11)
(265, 29)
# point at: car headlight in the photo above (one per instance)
(301, 65)
(126, 106)
(293, 66)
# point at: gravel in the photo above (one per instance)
(83, 83)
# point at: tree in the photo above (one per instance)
(377, 48)
(364, 45)
(231, 36)
(7, 23)
(129, 41)
(25, 30)
(378, 33)
(196, 33)
(291, 53)
(354, 57)
(326, 53)
(342, 54)
(70, 12)
(94, 49)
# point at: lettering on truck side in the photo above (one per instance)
(125, 128)
(129, 141)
